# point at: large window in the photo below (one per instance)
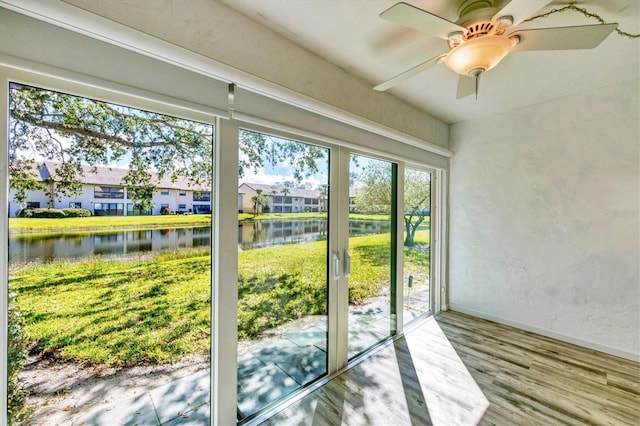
(114, 192)
(108, 209)
(315, 291)
(129, 297)
(138, 210)
(202, 196)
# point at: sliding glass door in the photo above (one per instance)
(319, 250)
(282, 268)
(371, 252)
(417, 244)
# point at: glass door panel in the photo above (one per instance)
(95, 291)
(371, 247)
(417, 247)
(282, 269)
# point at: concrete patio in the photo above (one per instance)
(269, 369)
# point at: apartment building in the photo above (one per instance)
(103, 196)
(281, 199)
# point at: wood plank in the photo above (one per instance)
(527, 378)
(586, 357)
(627, 383)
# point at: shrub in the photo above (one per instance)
(48, 213)
(74, 212)
(165, 210)
(25, 213)
(16, 358)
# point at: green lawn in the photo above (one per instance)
(154, 311)
(98, 223)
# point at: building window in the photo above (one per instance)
(182, 193)
(137, 210)
(277, 199)
(202, 209)
(164, 192)
(108, 192)
(182, 206)
(202, 196)
(75, 205)
(33, 204)
(311, 201)
(287, 200)
(108, 209)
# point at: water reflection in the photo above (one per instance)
(251, 235)
(266, 233)
(25, 248)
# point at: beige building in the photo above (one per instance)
(280, 199)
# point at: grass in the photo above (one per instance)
(117, 313)
(155, 311)
(97, 223)
(102, 223)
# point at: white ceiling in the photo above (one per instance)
(350, 34)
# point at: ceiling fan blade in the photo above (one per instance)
(466, 86)
(520, 10)
(420, 20)
(563, 38)
(407, 74)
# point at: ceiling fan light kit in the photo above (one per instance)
(479, 54)
(478, 40)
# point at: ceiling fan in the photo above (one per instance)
(484, 35)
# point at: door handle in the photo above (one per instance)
(336, 265)
(347, 263)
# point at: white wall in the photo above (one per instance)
(545, 221)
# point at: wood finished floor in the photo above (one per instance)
(527, 378)
(532, 379)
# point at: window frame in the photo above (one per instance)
(224, 211)
(84, 86)
(106, 191)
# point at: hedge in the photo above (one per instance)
(54, 213)
(71, 212)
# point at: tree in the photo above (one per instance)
(75, 131)
(374, 196)
(259, 149)
(417, 202)
(259, 200)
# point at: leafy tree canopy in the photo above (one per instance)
(74, 131)
(374, 196)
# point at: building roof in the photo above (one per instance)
(103, 175)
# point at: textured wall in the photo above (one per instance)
(544, 218)
(218, 32)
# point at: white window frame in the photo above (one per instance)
(337, 355)
(74, 84)
(224, 250)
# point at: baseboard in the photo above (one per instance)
(548, 333)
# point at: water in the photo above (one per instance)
(251, 235)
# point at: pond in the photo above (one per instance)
(251, 235)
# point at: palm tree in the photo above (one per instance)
(258, 200)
